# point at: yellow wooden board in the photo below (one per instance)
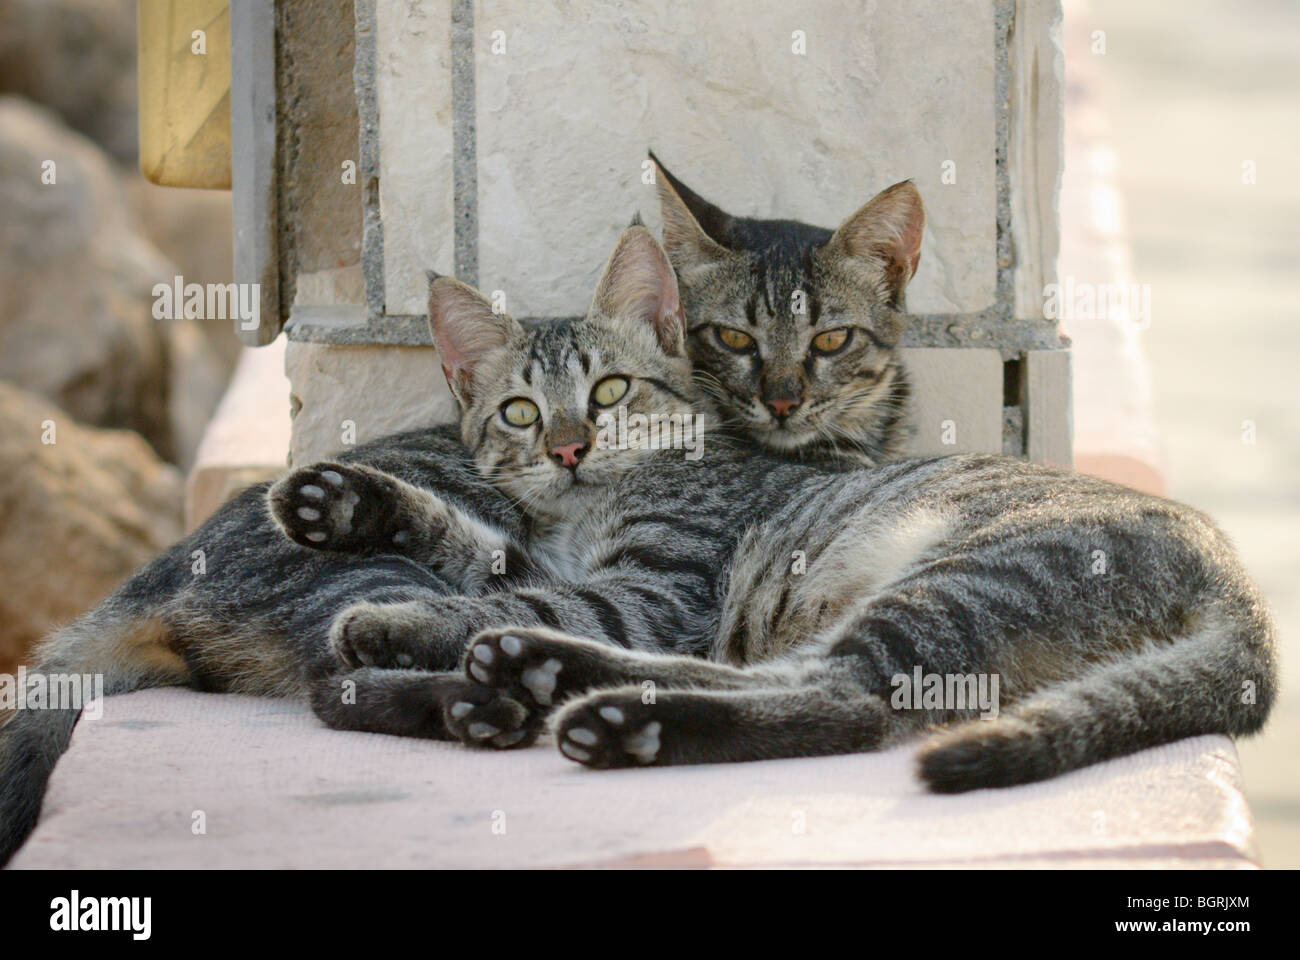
(184, 64)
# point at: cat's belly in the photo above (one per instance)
(792, 586)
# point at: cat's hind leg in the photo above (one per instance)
(543, 667)
(630, 726)
(431, 706)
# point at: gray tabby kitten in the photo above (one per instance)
(793, 329)
(812, 591)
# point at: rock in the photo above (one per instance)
(76, 300)
(78, 58)
(77, 516)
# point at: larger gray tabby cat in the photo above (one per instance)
(812, 591)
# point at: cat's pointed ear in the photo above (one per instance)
(690, 223)
(886, 233)
(639, 287)
(465, 330)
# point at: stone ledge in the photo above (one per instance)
(280, 791)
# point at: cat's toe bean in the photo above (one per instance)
(311, 491)
(612, 715)
(541, 681)
(583, 736)
(512, 645)
(317, 536)
(644, 746)
(478, 673)
(332, 477)
(309, 513)
(461, 709)
(482, 652)
(481, 731)
(574, 752)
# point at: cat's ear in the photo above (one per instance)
(465, 330)
(640, 287)
(886, 233)
(690, 223)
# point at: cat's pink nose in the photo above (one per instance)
(568, 454)
(782, 408)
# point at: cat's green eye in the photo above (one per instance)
(520, 412)
(832, 341)
(735, 339)
(609, 391)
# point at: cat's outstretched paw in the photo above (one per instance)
(538, 665)
(610, 729)
(419, 634)
(334, 506)
(481, 717)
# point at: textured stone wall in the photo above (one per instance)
(503, 141)
(568, 100)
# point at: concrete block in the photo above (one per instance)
(413, 80)
(345, 395)
(1049, 424)
(957, 401)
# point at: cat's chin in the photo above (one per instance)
(785, 439)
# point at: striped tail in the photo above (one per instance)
(1220, 678)
(127, 652)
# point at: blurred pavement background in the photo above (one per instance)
(1192, 93)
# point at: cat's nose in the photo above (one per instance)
(569, 454)
(782, 407)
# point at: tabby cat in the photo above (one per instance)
(814, 592)
(793, 329)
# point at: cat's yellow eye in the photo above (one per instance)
(735, 339)
(609, 391)
(520, 412)
(831, 341)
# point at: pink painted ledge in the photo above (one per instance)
(272, 788)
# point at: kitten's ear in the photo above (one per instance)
(639, 287)
(887, 233)
(690, 223)
(464, 330)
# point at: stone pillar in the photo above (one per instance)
(505, 140)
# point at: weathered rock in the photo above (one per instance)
(77, 515)
(76, 301)
(78, 58)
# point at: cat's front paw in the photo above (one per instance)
(426, 635)
(610, 729)
(334, 506)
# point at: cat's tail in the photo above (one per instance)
(108, 650)
(1219, 678)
